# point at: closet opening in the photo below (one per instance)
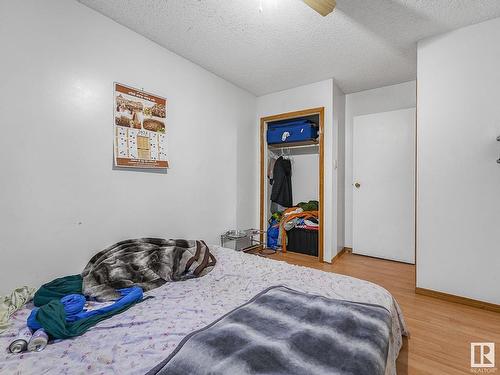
(292, 182)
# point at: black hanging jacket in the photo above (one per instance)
(281, 192)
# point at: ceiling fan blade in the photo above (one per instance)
(323, 7)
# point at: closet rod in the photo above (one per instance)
(280, 146)
(288, 147)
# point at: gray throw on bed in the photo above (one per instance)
(145, 262)
(283, 331)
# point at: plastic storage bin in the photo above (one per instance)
(303, 241)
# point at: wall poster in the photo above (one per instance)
(140, 129)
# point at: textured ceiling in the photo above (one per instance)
(363, 44)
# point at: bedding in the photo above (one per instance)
(285, 332)
(137, 340)
(144, 262)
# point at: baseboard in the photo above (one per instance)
(457, 299)
(341, 253)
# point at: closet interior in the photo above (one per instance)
(291, 199)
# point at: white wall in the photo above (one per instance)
(384, 99)
(305, 177)
(319, 94)
(458, 191)
(247, 174)
(60, 199)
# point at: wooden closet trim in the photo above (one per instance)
(320, 111)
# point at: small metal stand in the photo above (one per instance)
(241, 240)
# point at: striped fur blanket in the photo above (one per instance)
(284, 332)
(146, 262)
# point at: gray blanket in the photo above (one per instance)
(145, 262)
(282, 331)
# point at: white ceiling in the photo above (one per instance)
(363, 44)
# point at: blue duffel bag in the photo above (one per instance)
(293, 131)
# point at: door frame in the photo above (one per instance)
(320, 111)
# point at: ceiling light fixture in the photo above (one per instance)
(267, 4)
(323, 7)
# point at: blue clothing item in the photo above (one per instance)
(74, 306)
(272, 234)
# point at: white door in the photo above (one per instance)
(384, 185)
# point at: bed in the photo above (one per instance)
(137, 340)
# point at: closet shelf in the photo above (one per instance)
(296, 148)
(279, 146)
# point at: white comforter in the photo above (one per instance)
(138, 339)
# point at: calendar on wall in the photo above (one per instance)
(140, 129)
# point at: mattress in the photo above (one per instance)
(141, 337)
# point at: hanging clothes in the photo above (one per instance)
(281, 192)
(277, 208)
(270, 168)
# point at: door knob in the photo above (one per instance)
(357, 185)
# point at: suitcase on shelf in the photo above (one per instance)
(293, 131)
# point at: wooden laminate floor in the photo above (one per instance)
(440, 331)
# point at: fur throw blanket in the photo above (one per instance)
(146, 262)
